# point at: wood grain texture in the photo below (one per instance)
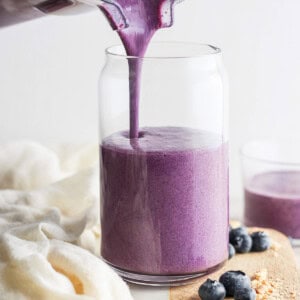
(279, 261)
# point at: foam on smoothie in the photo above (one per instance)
(272, 199)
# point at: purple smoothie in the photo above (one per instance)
(164, 191)
(272, 199)
(164, 201)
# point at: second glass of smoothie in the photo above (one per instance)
(164, 193)
(271, 172)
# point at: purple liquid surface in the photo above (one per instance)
(272, 199)
(164, 201)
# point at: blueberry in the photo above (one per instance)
(242, 243)
(233, 281)
(260, 241)
(212, 290)
(240, 239)
(231, 251)
(245, 294)
(233, 233)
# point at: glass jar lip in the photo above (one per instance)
(279, 144)
(196, 50)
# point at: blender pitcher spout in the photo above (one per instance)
(113, 13)
(167, 13)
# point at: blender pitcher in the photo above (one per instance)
(17, 11)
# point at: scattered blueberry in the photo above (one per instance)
(233, 233)
(233, 281)
(236, 283)
(260, 241)
(245, 294)
(231, 251)
(242, 243)
(212, 290)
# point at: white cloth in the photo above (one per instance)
(48, 208)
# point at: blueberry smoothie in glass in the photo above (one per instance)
(165, 201)
(272, 199)
(164, 186)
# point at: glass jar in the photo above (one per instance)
(271, 173)
(164, 194)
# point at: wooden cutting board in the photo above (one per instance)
(274, 272)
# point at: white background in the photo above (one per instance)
(49, 70)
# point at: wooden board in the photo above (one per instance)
(277, 277)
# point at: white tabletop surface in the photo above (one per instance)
(154, 293)
(149, 293)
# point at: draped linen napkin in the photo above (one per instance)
(49, 225)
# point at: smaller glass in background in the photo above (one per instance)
(271, 174)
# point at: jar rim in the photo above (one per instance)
(255, 150)
(168, 50)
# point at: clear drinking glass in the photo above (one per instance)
(164, 195)
(271, 171)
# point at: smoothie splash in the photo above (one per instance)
(136, 21)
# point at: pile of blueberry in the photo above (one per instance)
(241, 242)
(236, 283)
(231, 284)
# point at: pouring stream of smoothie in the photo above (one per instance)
(136, 22)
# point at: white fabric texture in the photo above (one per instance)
(49, 225)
